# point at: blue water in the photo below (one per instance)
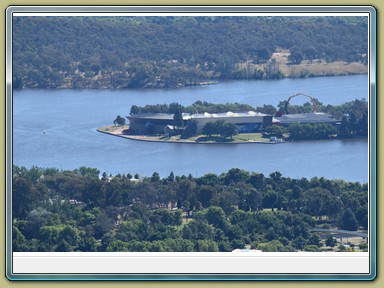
(70, 119)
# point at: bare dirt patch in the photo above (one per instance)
(309, 68)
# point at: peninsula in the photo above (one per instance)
(119, 131)
(177, 124)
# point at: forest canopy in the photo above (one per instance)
(121, 52)
(80, 211)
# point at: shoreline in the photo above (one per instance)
(297, 72)
(117, 131)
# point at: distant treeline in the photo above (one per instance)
(78, 211)
(195, 108)
(118, 52)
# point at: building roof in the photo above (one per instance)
(305, 118)
(187, 116)
(228, 114)
(162, 116)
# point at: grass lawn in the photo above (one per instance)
(240, 138)
(248, 137)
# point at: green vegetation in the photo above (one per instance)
(190, 130)
(78, 211)
(132, 52)
(356, 109)
(299, 131)
(221, 128)
(195, 108)
(119, 121)
(249, 137)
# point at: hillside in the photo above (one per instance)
(129, 52)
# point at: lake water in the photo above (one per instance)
(70, 119)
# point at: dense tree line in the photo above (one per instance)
(354, 109)
(116, 52)
(221, 128)
(78, 211)
(198, 107)
(300, 131)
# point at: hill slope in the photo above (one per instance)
(109, 52)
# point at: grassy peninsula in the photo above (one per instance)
(202, 139)
(347, 121)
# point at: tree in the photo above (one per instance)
(120, 121)
(205, 195)
(155, 177)
(175, 107)
(311, 131)
(190, 130)
(209, 129)
(178, 119)
(235, 175)
(19, 243)
(227, 200)
(263, 54)
(141, 73)
(272, 246)
(63, 246)
(168, 217)
(257, 180)
(353, 123)
(331, 241)
(70, 235)
(319, 202)
(171, 177)
(363, 124)
(134, 110)
(296, 55)
(225, 66)
(228, 130)
(314, 239)
(23, 197)
(270, 200)
(220, 128)
(348, 220)
(50, 234)
(88, 172)
(311, 248)
(206, 246)
(254, 200)
(275, 130)
(87, 244)
(266, 109)
(344, 129)
(118, 246)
